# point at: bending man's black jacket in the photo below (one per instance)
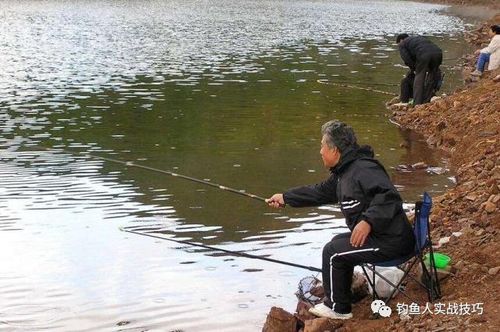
(362, 187)
(413, 48)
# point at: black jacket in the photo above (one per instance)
(414, 48)
(362, 187)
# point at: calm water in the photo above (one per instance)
(225, 91)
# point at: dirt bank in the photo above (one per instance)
(466, 124)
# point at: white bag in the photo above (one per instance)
(393, 274)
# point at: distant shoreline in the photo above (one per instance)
(491, 4)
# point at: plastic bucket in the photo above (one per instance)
(441, 260)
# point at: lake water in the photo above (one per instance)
(230, 92)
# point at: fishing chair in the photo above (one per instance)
(429, 280)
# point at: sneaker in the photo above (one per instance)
(476, 73)
(400, 104)
(321, 310)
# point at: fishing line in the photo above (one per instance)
(366, 83)
(236, 253)
(401, 65)
(356, 87)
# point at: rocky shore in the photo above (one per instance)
(466, 219)
(466, 124)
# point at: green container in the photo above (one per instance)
(441, 260)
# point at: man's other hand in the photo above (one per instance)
(360, 233)
(276, 201)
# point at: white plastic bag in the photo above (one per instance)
(393, 274)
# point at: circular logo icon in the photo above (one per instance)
(376, 305)
(385, 311)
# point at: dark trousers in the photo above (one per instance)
(426, 71)
(339, 259)
(407, 87)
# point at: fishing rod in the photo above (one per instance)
(132, 164)
(399, 64)
(356, 87)
(242, 254)
(237, 253)
(366, 83)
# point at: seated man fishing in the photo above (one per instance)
(379, 229)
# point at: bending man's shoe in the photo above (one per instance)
(476, 73)
(401, 104)
(321, 310)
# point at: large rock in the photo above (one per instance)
(279, 320)
(490, 207)
(302, 311)
(494, 270)
(322, 325)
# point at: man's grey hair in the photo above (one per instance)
(338, 134)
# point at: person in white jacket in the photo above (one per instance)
(490, 54)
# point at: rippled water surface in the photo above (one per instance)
(231, 92)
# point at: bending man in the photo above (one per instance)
(379, 229)
(424, 58)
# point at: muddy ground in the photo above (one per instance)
(465, 124)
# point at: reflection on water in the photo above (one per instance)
(65, 47)
(224, 91)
